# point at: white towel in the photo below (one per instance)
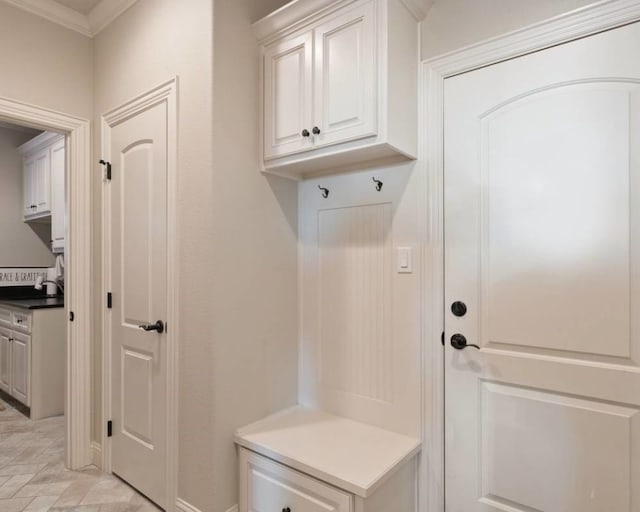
(60, 267)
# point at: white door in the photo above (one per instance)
(138, 154)
(288, 71)
(58, 201)
(5, 360)
(542, 228)
(20, 366)
(345, 77)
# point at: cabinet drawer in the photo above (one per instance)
(22, 321)
(5, 317)
(268, 486)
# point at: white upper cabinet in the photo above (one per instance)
(58, 199)
(345, 77)
(44, 164)
(339, 85)
(36, 185)
(288, 89)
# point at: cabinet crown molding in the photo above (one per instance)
(39, 142)
(293, 16)
(298, 13)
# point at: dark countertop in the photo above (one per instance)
(34, 303)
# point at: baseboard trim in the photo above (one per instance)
(183, 506)
(96, 454)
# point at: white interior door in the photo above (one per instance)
(542, 198)
(139, 288)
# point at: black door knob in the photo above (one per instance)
(158, 326)
(459, 308)
(459, 342)
(305, 133)
(316, 130)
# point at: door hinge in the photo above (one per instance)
(109, 428)
(442, 338)
(108, 167)
(109, 300)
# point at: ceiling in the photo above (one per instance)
(82, 6)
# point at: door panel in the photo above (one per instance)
(139, 287)
(58, 196)
(20, 366)
(5, 361)
(541, 243)
(345, 77)
(287, 95)
(42, 183)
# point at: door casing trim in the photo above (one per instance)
(576, 24)
(165, 93)
(78, 297)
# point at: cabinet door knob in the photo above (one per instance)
(305, 133)
(286, 509)
(316, 130)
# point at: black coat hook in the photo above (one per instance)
(325, 191)
(378, 184)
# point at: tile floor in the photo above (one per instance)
(33, 477)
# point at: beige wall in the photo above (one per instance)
(149, 44)
(255, 255)
(237, 243)
(45, 64)
(23, 245)
(453, 24)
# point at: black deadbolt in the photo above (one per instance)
(459, 308)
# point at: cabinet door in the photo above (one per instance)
(288, 71)
(345, 101)
(28, 186)
(58, 201)
(266, 485)
(20, 367)
(42, 182)
(5, 360)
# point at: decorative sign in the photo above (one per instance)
(21, 276)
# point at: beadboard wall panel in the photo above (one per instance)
(359, 323)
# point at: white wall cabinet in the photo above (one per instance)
(36, 183)
(339, 85)
(44, 168)
(58, 196)
(32, 358)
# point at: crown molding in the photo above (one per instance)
(55, 12)
(419, 8)
(105, 12)
(88, 25)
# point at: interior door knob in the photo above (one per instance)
(158, 326)
(459, 342)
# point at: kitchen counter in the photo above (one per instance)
(34, 303)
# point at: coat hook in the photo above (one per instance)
(378, 184)
(325, 191)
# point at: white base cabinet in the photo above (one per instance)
(307, 460)
(32, 358)
(339, 85)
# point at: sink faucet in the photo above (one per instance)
(40, 281)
